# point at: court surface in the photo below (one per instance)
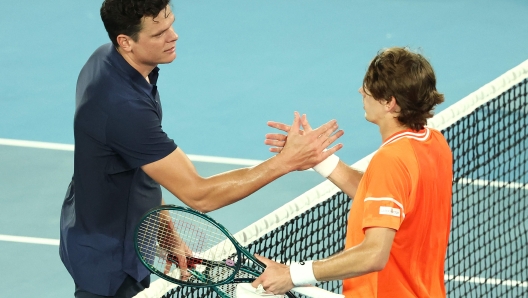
(240, 64)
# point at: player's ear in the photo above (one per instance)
(392, 106)
(124, 42)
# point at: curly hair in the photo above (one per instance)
(124, 16)
(409, 78)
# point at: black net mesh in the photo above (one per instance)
(487, 254)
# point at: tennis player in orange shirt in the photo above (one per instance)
(399, 222)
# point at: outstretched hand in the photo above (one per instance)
(276, 278)
(307, 144)
(277, 140)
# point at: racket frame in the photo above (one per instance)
(239, 250)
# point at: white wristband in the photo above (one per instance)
(327, 166)
(302, 273)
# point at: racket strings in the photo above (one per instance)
(186, 247)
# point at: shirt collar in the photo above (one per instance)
(420, 135)
(137, 79)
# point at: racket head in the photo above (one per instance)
(209, 257)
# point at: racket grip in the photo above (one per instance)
(191, 262)
(312, 291)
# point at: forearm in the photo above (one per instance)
(302, 151)
(347, 264)
(346, 178)
(179, 176)
(369, 256)
(226, 188)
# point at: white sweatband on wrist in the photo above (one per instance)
(327, 166)
(302, 273)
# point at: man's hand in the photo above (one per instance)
(303, 149)
(275, 279)
(177, 249)
(277, 140)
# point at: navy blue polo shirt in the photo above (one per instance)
(117, 130)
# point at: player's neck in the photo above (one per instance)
(142, 68)
(389, 128)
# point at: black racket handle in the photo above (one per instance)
(191, 261)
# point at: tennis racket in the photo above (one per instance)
(189, 248)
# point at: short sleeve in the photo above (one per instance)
(387, 191)
(134, 131)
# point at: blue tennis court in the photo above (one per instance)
(240, 64)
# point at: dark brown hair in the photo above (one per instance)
(124, 16)
(409, 78)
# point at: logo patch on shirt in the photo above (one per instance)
(389, 211)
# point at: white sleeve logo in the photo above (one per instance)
(389, 211)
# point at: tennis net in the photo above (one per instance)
(487, 254)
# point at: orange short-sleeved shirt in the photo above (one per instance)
(406, 187)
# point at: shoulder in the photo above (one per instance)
(438, 136)
(395, 156)
(394, 150)
(102, 51)
(103, 80)
(98, 70)
(392, 157)
(99, 58)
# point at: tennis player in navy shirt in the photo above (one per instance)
(122, 154)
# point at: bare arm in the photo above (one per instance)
(346, 178)
(371, 255)
(177, 173)
(303, 150)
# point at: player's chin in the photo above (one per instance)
(169, 57)
(369, 119)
